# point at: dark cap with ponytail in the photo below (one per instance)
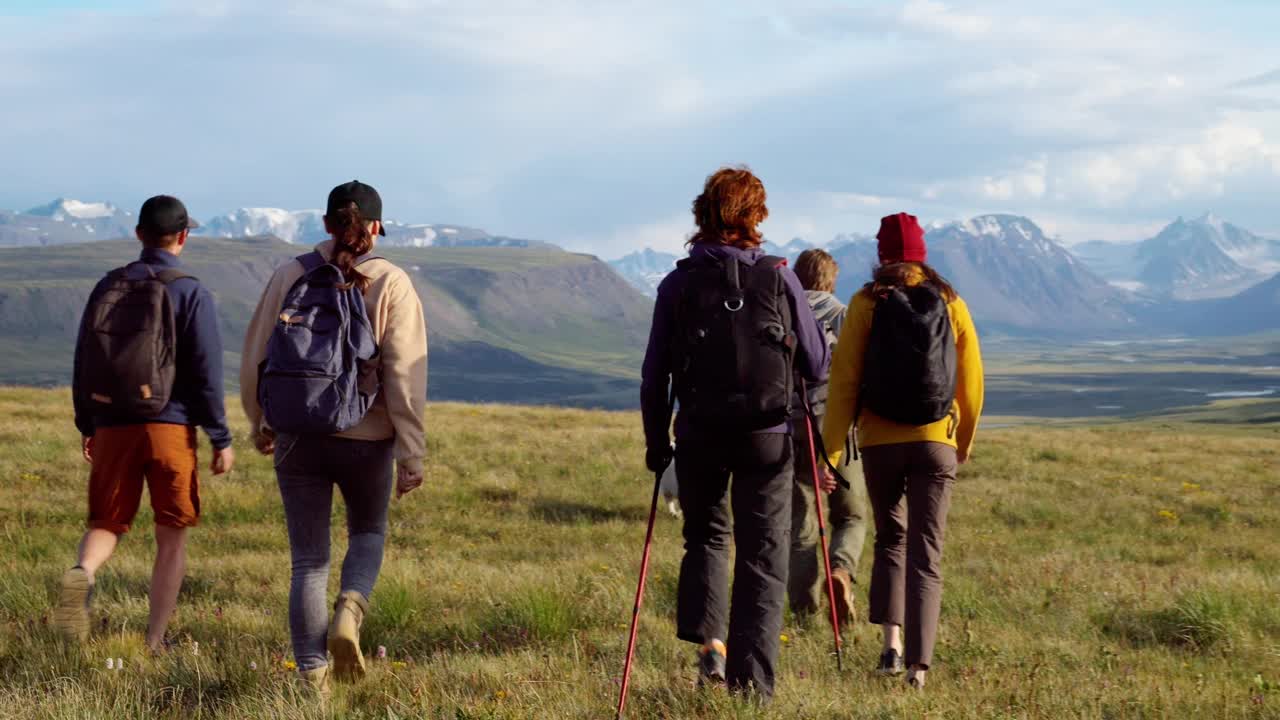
(352, 206)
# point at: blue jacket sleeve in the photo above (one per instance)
(655, 375)
(204, 362)
(814, 357)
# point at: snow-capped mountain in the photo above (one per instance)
(301, 226)
(1198, 259)
(1205, 258)
(789, 251)
(644, 269)
(1013, 276)
(65, 221)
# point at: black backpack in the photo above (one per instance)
(735, 346)
(909, 375)
(128, 344)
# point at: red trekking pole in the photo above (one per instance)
(635, 612)
(822, 534)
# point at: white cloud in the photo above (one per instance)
(938, 17)
(576, 119)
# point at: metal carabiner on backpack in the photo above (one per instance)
(735, 301)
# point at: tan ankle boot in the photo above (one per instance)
(71, 616)
(315, 681)
(344, 635)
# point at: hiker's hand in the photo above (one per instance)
(222, 461)
(86, 447)
(657, 459)
(962, 457)
(827, 480)
(407, 480)
(265, 441)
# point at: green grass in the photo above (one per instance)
(1116, 571)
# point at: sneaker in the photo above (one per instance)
(344, 635)
(843, 584)
(915, 679)
(890, 663)
(711, 662)
(71, 616)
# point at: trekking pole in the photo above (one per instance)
(822, 535)
(635, 612)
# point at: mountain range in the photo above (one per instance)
(66, 221)
(1018, 280)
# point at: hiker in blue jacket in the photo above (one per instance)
(729, 327)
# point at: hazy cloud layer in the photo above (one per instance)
(593, 124)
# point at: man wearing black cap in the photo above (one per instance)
(148, 371)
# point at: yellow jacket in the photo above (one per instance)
(846, 380)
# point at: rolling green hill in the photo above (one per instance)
(525, 325)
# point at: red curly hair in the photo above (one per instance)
(730, 209)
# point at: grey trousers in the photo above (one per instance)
(909, 485)
(757, 516)
(846, 528)
(307, 469)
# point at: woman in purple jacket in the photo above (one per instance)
(730, 326)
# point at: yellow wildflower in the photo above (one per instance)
(290, 665)
(501, 695)
(1190, 487)
(784, 638)
(397, 664)
(1169, 515)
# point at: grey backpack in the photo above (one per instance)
(128, 343)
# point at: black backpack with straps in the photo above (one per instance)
(128, 344)
(909, 375)
(735, 345)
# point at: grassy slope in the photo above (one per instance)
(1125, 571)
(510, 317)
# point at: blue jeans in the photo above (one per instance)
(307, 469)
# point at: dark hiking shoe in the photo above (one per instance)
(344, 635)
(842, 582)
(711, 662)
(71, 616)
(890, 663)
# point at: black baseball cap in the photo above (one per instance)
(364, 197)
(165, 215)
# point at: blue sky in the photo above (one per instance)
(593, 124)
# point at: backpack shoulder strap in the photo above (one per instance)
(367, 258)
(310, 261)
(168, 275)
(772, 262)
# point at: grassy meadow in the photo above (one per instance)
(1118, 571)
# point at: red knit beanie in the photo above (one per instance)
(901, 239)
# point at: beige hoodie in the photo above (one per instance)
(401, 333)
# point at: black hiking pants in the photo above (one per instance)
(760, 524)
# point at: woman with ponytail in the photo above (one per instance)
(907, 375)
(357, 460)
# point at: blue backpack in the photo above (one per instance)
(319, 376)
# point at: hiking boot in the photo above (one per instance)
(842, 581)
(711, 662)
(890, 663)
(344, 635)
(315, 681)
(915, 679)
(71, 616)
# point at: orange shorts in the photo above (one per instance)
(162, 454)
